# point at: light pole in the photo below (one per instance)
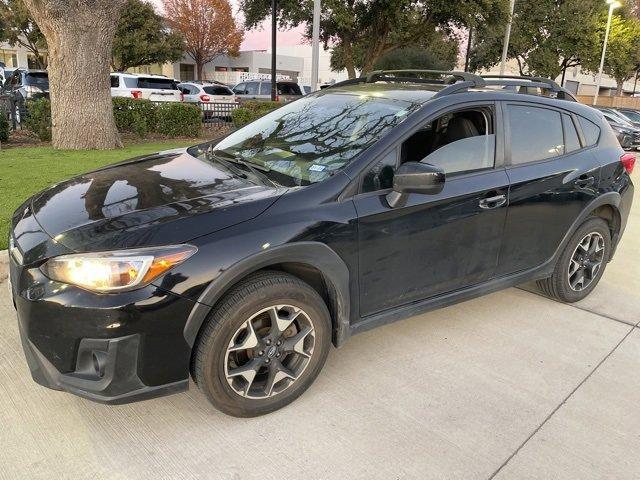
(315, 45)
(613, 4)
(274, 30)
(507, 37)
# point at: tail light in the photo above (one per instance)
(205, 98)
(181, 97)
(628, 161)
(136, 93)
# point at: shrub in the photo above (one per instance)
(38, 118)
(251, 110)
(4, 127)
(134, 116)
(178, 120)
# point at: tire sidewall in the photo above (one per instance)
(214, 381)
(562, 274)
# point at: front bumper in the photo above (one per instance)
(112, 349)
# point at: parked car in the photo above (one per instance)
(261, 90)
(628, 135)
(619, 115)
(216, 100)
(156, 88)
(239, 261)
(630, 114)
(5, 72)
(25, 84)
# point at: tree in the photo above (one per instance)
(79, 36)
(362, 31)
(547, 37)
(17, 27)
(623, 50)
(438, 55)
(208, 28)
(142, 38)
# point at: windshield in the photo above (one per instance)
(217, 90)
(308, 140)
(631, 115)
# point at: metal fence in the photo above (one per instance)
(214, 115)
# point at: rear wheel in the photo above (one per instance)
(263, 346)
(581, 263)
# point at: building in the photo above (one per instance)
(16, 56)
(231, 70)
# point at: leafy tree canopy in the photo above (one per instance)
(362, 31)
(622, 58)
(142, 39)
(547, 37)
(17, 27)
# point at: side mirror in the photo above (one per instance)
(415, 177)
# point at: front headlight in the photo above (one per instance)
(105, 272)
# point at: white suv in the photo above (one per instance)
(156, 88)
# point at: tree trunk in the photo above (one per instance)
(199, 70)
(348, 59)
(79, 36)
(619, 86)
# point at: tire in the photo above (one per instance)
(559, 284)
(244, 330)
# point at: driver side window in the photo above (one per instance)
(457, 142)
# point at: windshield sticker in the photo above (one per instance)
(316, 168)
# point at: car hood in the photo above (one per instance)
(166, 198)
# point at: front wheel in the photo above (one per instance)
(581, 264)
(263, 346)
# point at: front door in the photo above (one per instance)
(434, 243)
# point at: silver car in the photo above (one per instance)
(261, 90)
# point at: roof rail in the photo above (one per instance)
(525, 81)
(405, 76)
(456, 81)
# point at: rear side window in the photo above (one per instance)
(289, 89)
(37, 78)
(590, 131)
(217, 90)
(115, 81)
(157, 83)
(571, 139)
(130, 82)
(265, 88)
(252, 88)
(536, 133)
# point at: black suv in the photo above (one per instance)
(23, 85)
(241, 260)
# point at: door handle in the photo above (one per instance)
(493, 202)
(584, 181)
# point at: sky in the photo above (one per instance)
(260, 38)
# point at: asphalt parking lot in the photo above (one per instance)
(508, 386)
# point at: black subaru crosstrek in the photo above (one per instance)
(241, 260)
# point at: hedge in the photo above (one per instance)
(140, 117)
(178, 120)
(251, 110)
(38, 118)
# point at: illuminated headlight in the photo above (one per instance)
(116, 271)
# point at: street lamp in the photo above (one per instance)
(613, 4)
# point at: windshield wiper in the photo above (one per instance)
(257, 170)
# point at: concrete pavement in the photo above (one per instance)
(509, 386)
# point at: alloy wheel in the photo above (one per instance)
(586, 261)
(269, 351)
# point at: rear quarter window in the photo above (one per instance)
(590, 131)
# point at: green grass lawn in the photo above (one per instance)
(27, 170)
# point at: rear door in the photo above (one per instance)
(553, 175)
